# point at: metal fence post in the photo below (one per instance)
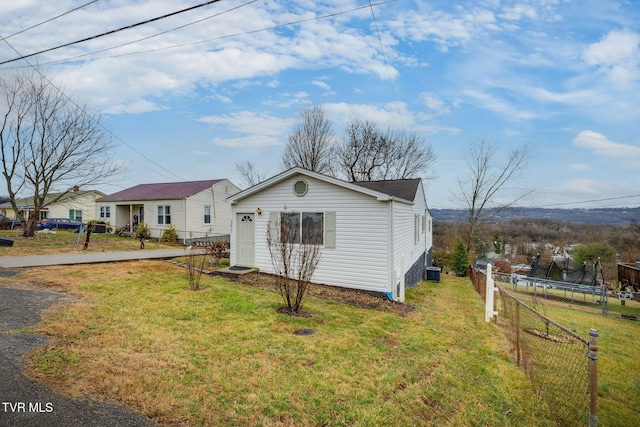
(593, 378)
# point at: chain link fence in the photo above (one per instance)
(553, 357)
(561, 365)
(596, 297)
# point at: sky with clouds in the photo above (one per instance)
(191, 95)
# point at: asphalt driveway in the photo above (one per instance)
(24, 402)
(88, 258)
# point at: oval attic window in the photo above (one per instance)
(300, 188)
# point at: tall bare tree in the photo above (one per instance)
(250, 173)
(49, 144)
(310, 143)
(485, 178)
(368, 154)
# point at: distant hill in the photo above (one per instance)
(611, 216)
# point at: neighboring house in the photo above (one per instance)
(76, 204)
(196, 209)
(376, 235)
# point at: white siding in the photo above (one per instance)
(85, 203)
(404, 219)
(220, 211)
(361, 257)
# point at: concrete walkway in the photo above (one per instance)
(87, 258)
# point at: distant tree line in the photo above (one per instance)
(610, 243)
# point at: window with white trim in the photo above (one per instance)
(75, 214)
(164, 215)
(207, 214)
(302, 227)
(105, 212)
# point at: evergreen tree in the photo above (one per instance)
(460, 259)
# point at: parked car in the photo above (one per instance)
(59, 224)
(9, 224)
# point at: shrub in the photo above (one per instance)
(142, 231)
(170, 235)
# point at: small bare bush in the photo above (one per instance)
(295, 254)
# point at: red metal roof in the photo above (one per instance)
(162, 191)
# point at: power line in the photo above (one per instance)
(386, 63)
(317, 18)
(112, 31)
(590, 201)
(87, 113)
(370, 5)
(563, 204)
(151, 36)
(50, 19)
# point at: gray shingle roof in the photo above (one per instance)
(161, 191)
(402, 188)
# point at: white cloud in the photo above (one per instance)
(198, 55)
(136, 106)
(321, 84)
(500, 106)
(579, 187)
(434, 103)
(617, 55)
(445, 29)
(224, 99)
(248, 121)
(600, 145)
(518, 12)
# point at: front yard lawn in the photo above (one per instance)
(224, 356)
(45, 243)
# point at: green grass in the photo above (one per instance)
(69, 242)
(224, 356)
(618, 361)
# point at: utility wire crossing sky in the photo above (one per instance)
(192, 88)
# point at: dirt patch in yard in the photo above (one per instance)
(353, 297)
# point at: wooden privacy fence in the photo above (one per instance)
(552, 356)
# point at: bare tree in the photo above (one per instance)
(484, 180)
(408, 156)
(294, 246)
(49, 144)
(310, 142)
(362, 151)
(368, 154)
(250, 174)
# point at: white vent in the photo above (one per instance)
(300, 188)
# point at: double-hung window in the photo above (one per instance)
(75, 214)
(207, 214)
(164, 215)
(105, 212)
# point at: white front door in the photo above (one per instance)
(245, 240)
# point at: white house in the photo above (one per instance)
(76, 204)
(376, 235)
(196, 209)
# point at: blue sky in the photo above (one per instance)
(562, 77)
